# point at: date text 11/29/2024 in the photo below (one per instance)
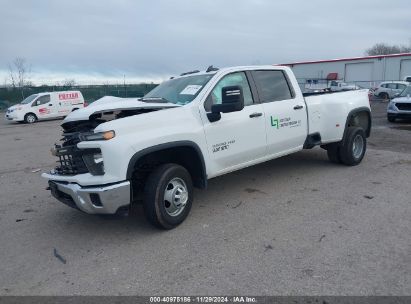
(206, 299)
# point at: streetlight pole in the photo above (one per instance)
(124, 82)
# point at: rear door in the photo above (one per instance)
(400, 87)
(238, 137)
(69, 101)
(285, 113)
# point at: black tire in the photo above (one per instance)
(333, 153)
(384, 96)
(30, 118)
(391, 118)
(154, 202)
(348, 154)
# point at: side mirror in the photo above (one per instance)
(232, 101)
(397, 95)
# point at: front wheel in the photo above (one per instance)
(353, 147)
(30, 118)
(168, 196)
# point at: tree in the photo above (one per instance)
(69, 83)
(386, 49)
(19, 73)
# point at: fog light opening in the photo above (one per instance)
(95, 200)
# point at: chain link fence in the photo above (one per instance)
(10, 96)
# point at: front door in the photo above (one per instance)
(286, 114)
(43, 107)
(238, 137)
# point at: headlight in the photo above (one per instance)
(98, 136)
(391, 106)
(94, 162)
(10, 110)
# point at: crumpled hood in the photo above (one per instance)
(402, 99)
(110, 103)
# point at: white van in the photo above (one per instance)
(45, 106)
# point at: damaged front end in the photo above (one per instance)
(80, 179)
(80, 125)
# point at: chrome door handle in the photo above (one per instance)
(254, 115)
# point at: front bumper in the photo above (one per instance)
(405, 115)
(104, 199)
(9, 116)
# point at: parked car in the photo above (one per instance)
(407, 79)
(400, 106)
(195, 127)
(45, 106)
(337, 86)
(388, 89)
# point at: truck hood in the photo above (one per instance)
(110, 103)
(402, 99)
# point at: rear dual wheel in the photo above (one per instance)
(351, 150)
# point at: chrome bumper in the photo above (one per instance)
(92, 199)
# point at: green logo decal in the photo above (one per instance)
(285, 122)
(274, 122)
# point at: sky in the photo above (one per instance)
(110, 41)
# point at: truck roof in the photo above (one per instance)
(232, 69)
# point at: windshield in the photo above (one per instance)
(406, 92)
(180, 90)
(29, 99)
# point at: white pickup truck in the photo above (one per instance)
(191, 128)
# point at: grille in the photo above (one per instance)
(70, 157)
(403, 106)
(70, 160)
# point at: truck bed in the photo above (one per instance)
(328, 112)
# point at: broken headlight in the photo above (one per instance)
(98, 136)
(94, 162)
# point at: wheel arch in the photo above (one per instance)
(191, 158)
(28, 113)
(360, 117)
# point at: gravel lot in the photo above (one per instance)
(297, 225)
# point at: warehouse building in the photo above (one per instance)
(365, 72)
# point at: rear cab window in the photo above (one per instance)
(272, 85)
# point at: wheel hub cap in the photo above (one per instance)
(358, 146)
(175, 196)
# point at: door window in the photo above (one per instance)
(234, 79)
(42, 100)
(272, 86)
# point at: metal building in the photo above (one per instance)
(365, 72)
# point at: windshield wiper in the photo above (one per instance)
(155, 99)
